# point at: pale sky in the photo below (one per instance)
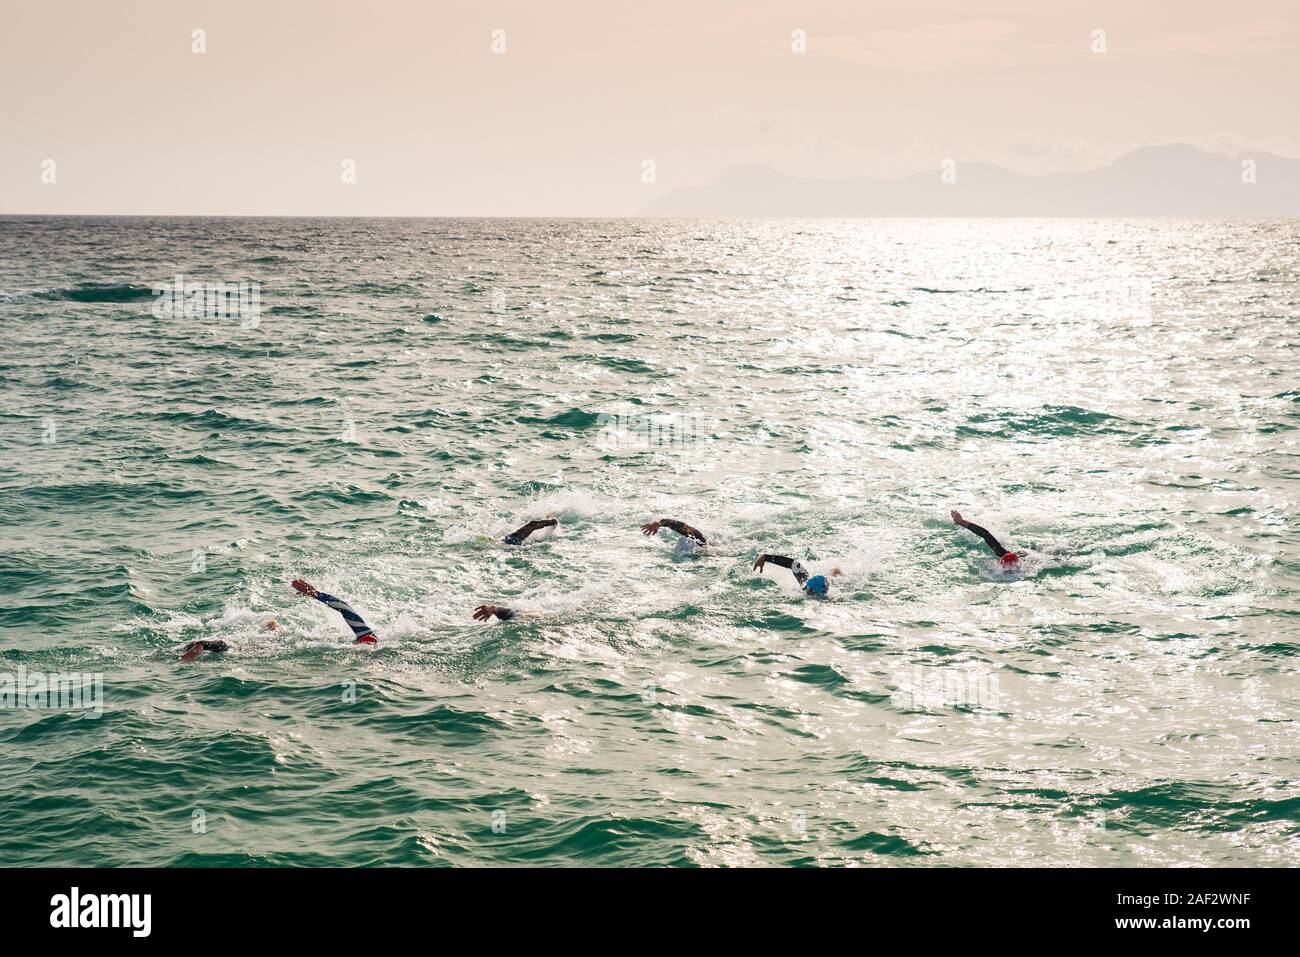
(562, 121)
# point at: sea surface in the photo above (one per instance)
(1120, 399)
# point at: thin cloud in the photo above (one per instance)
(1265, 36)
(968, 44)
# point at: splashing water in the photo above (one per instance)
(1116, 398)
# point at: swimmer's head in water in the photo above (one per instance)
(817, 585)
(1010, 560)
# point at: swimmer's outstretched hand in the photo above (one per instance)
(759, 562)
(484, 612)
(650, 528)
(303, 588)
(958, 520)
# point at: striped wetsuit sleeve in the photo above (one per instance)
(359, 628)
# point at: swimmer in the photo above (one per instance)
(215, 646)
(518, 536)
(196, 648)
(365, 635)
(485, 612)
(1010, 560)
(681, 528)
(815, 586)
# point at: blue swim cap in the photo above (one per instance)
(817, 585)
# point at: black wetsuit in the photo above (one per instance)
(684, 530)
(518, 536)
(800, 573)
(215, 645)
(989, 540)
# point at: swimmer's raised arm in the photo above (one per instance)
(983, 533)
(796, 566)
(815, 585)
(364, 634)
(1006, 556)
(681, 528)
(485, 612)
(518, 536)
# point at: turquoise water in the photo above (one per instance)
(1118, 398)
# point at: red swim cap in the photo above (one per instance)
(1010, 558)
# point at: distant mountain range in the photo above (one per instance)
(1175, 180)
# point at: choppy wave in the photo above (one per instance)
(1126, 697)
(97, 292)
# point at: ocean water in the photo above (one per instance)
(1118, 398)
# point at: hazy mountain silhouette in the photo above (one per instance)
(1175, 180)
